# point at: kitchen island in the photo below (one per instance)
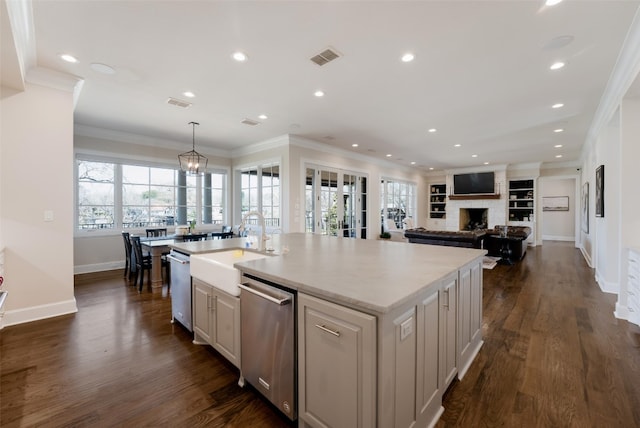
(383, 327)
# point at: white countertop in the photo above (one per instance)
(371, 275)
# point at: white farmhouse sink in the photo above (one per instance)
(217, 268)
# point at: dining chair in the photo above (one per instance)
(195, 237)
(128, 268)
(154, 233)
(142, 263)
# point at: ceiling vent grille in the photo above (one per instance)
(325, 57)
(250, 122)
(178, 103)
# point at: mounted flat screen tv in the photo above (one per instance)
(476, 183)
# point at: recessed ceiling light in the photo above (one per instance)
(474, 156)
(431, 168)
(432, 130)
(263, 116)
(408, 57)
(413, 163)
(557, 146)
(68, 58)
(457, 145)
(354, 145)
(558, 156)
(486, 163)
(557, 105)
(240, 56)
(318, 94)
(552, 2)
(389, 155)
(557, 65)
(558, 130)
(102, 68)
(189, 94)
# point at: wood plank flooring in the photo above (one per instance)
(554, 356)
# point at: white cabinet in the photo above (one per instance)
(449, 314)
(336, 365)
(633, 286)
(469, 315)
(202, 313)
(217, 320)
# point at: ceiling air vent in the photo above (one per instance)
(325, 56)
(250, 122)
(178, 103)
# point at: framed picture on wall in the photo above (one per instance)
(600, 191)
(584, 204)
(555, 203)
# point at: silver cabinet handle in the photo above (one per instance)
(328, 330)
(265, 296)
(181, 261)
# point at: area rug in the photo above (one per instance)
(489, 262)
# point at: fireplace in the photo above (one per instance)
(473, 218)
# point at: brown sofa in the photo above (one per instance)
(469, 239)
(516, 241)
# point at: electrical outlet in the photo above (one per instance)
(406, 328)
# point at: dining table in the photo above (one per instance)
(156, 248)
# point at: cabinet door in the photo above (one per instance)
(449, 320)
(337, 365)
(226, 326)
(429, 354)
(201, 311)
(469, 315)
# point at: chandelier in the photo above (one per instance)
(192, 162)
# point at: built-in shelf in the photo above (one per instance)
(471, 197)
(438, 201)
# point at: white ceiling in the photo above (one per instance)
(480, 76)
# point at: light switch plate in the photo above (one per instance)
(48, 215)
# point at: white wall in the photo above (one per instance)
(36, 176)
(558, 225)
(629, 224)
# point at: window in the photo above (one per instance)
(148, 196)
(113, 195)
(398, 201)
(260, 191)
(96, 200)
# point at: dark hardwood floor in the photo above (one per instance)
(554, 356)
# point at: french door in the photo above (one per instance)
(336, 202)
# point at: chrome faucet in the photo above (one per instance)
(264, 237)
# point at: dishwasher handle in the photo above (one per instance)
(276, 300)
(175, 259)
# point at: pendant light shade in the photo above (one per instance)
(192, 162)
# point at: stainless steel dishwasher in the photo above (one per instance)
(268, 342)
(180, 289)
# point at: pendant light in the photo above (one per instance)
(192, 162)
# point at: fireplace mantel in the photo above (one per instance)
(473, 197)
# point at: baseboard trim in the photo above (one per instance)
(558, 238)
(463, 370)
(605, 286)
(621, 312)
(98, 267)
(586, 256)
(40, 312)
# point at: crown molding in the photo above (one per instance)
(142, 140)
(622, 77)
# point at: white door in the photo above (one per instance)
(335, 203)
